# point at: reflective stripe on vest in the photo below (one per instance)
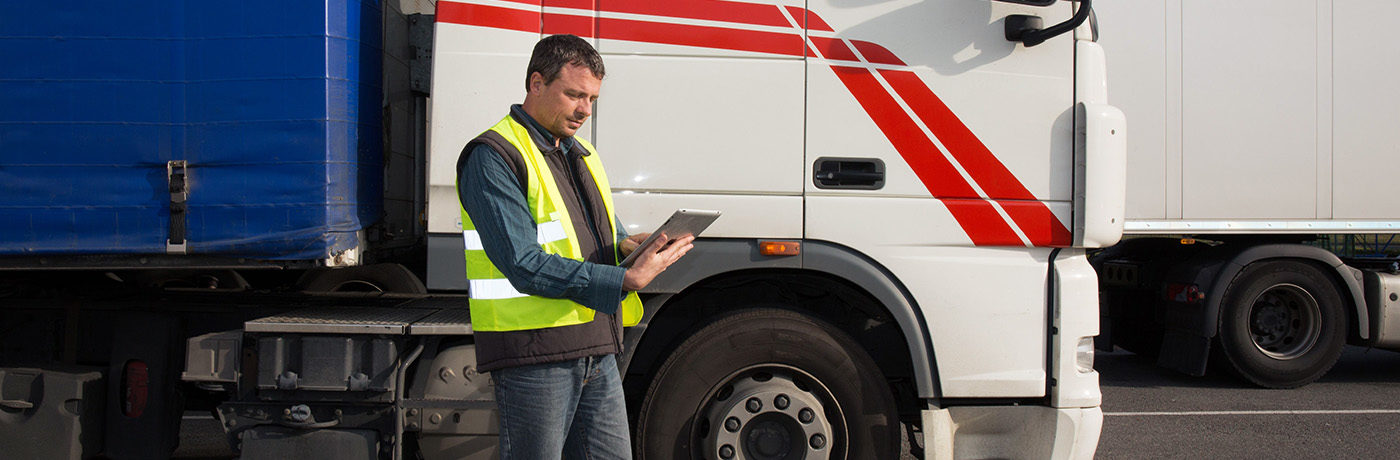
(495, 304)
(547, 232)
(493, 289)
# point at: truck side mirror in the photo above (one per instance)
(1028, 29)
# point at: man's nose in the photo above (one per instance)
(584, 108)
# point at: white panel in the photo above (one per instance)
(1367, 111)
(1000, 292)
(1133, 36)
(445, 213)
(1249, 110)
(1323, 169)
(1077, 317)
(702, 124)
(477, 74)
(743, 216)
(870, 224)
(958, 288)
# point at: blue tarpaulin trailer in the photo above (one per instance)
(274, 108)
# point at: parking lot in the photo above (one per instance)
(1352, 412)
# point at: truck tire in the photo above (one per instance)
(1282, 324)
(768, 384)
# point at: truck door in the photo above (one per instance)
(945, 152)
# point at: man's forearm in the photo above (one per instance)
(592, 285)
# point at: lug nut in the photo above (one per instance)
(726, 452)
(806, 415)
(755, 405)
(732, 424)
(818, 441)
(781, 402)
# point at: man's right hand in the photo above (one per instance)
(654, 259)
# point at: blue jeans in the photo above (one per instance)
(572, 409)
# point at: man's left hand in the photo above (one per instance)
(630, 244)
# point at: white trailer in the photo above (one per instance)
(1258, 125)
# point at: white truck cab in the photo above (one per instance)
(941, 180)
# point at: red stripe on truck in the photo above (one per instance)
(808, 18)
(488, 16)
(876, 54)
(982, 223)
(622, 29)
(707, 10)
(700, 36)
(834, 49)
(977, 217)
(583, 26)
(991, 175)
(1039, 224)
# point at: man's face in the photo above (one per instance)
(563, 105)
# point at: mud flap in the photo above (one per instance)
(144, 406)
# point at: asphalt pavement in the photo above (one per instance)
(1150, 412)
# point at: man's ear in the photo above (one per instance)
(536, 82)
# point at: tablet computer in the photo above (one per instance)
(682, 223)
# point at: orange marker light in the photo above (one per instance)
(779, 248)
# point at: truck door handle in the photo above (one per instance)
(849, 173)
(844, 177)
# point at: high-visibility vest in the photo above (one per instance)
(495, 304)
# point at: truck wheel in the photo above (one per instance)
(768, 384)
(1282, 324)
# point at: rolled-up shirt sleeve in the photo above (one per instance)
(490, 193)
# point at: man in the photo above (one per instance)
(548, 300)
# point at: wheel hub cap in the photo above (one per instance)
(1285, 321)
(767, 416)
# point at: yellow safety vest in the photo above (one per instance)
(495, 304)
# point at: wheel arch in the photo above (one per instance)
(1189, 334)
(1345, 277)
(711, 272)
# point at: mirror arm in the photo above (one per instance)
(1016, 31)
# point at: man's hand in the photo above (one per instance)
(654, 259)
(630, 244)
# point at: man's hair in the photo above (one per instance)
(554, 51)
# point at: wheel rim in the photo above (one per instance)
(1285, 321)
(770, 412)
